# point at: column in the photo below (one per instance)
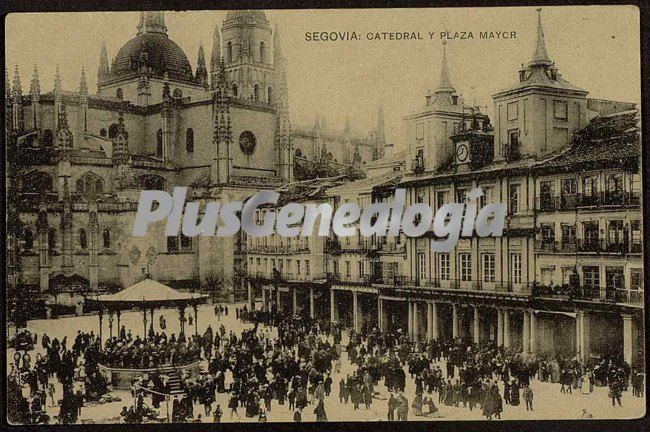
(506, 328)
(311, 302)
(278, 298)
(435, 332)
(410, 320)
(333, 312)
(251, 299)
(264, 306)
(526, 332)
(118, 313)
(355, 311)
(416, 322)
(454, 321)
(533, 332)
(144, 322)
(196, 318)
(429, 321)
(294, 293)
(110, 324)
(628, 338)
(477, 326)
(380, 314)
(499, 327)
(101, 314)
(582, 335)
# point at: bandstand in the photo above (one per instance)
(145, 296)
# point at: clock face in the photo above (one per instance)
(462, 152)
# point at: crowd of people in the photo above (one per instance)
(294, 368)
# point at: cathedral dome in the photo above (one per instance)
(153, 49)
(246, 14)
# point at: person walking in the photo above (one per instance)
(528, 397)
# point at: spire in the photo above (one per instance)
(83, 84)
(57, 82)
(63, 134)
(63, 118)
(103, 71)
(201, 71)
(444, 84)
(222, 137)
(152, 22)
(380, 136)
(540, 56)
(17, 88)
(216, 50)
(35, 85)
(277, 47)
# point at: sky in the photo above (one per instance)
(594, 47)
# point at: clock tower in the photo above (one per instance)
(473, 140)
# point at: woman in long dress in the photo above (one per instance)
(586, 383)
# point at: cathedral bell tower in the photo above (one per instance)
(245, 47)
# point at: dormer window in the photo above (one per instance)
(454, 99)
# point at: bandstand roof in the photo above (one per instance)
(148, 293)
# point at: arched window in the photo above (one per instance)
(106, 236)
(269, 95)
(28, 237)
(189, 140)
(178, 93)
(152, 182)
(51, 239)
(48, 138)
(229, 52)
(83, 239)
(298, 153)
(159, 144)
(256, 92)
(112, 131)
(234, 89)
(102, 133)
(99, 186)
(37, 182)
(119, 93)
(262, 52)
(90, 185)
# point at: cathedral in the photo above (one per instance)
(78, 160)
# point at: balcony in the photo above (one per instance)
(568, 202)
(417, 165)
(332, 246)
(457, 284)
(591, 294)
(277, 249)
(512, 152)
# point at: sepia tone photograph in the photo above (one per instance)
(535, 111)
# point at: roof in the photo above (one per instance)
(162, 56)
(538, 78)
(364, 185)
(308, 190)
(398, 158)
(150, 292)
(611, 140)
